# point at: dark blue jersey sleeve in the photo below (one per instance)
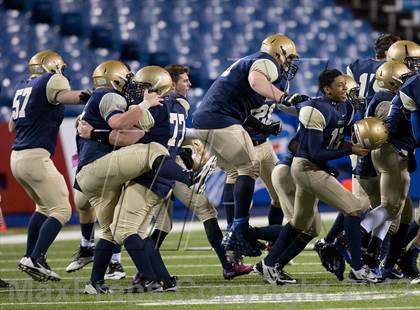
(319, 154)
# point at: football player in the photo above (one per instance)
(395, 159)
(410, 97)
(37, 112)
(102, 170)
(322, 124)
(389, 78)
(177, 113)
(363, 70)
(244, 86)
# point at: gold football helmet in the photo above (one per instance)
(370, 133)
(283, 49)
(46, 61)
(154, 78)
(405, 51)
(199, 155)
(111, 73)
(391, 75)
(353, 91)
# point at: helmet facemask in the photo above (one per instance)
(359, 103)
(292, 67)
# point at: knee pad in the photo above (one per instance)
(81, 201)
(205, 212)
(61, 213)
(251, 169)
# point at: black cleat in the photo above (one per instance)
(115, 271)
(284, 278)
(96, 288)
(144, 287)
(83, 257)
(4, 284)
(170, 285)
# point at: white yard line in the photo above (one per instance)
(250, 299)
(177, 227)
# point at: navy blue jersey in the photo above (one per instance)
(410, 97)
(37, 120)
(364, 166)
(90, 150)
(230, 99)
(363, 72)
(169, 130)
(398, 119)
(170, 124)
(321, 129)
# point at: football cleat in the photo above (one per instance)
(408, 263)
(145, 287)
(115, 271)
(39, 269)
(238, 269)
(83, 257)
(416, 280)
(363, 275)
(203, 175)
(269, 274)
(25, 264)
(235, 241)
(96, 288)
(4, 284)
(392, 274)
(284, 278)
(170, 285)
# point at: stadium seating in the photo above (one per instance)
(207, 35)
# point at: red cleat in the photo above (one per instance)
(238, 269)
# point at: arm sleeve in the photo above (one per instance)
(146, 121)
(184, 104)
(415, 124)
(315, 138)
(312, 118)
(408, 102)
(55, 84)
(266, 67)
(111, 104)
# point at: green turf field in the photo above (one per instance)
(201, 285)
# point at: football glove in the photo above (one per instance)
(85, 95)
(293, 99)
(186, 155)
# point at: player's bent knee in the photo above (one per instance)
(206, 213)
(62, 214)
(252, 169)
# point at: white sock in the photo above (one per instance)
(86, 243)
(382, 230)
(374, 218)
(116, 257)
